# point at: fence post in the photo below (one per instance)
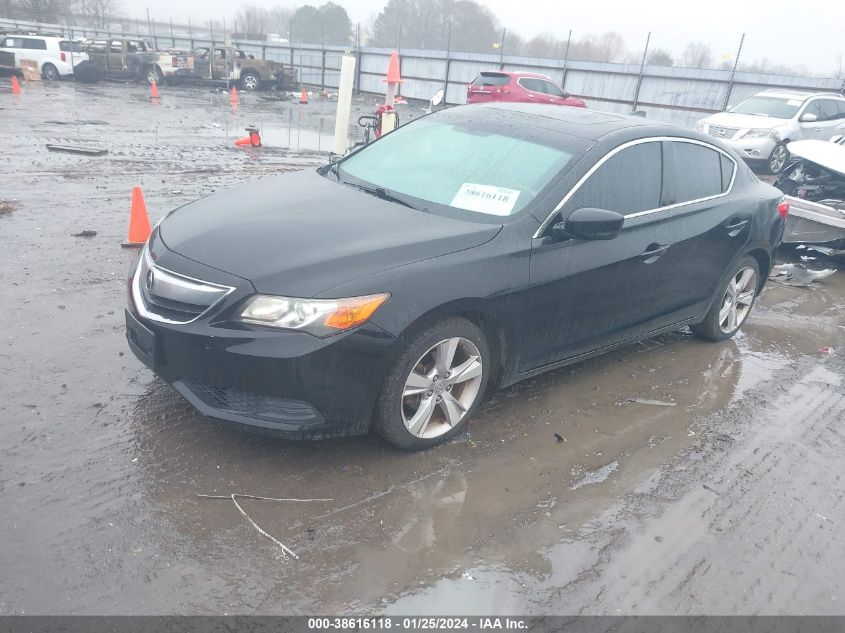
(640, 77)
(323, 71)
(190, 34)
(565, 61)
(733, 72)
(358, 57)
(172, 37)
(502, 50)
(448, 62)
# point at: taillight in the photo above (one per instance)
(174, 62)
(783, 209)
(64, 57)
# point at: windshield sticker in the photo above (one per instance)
(794, 102)
(485, 199)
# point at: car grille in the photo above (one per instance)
(167, 296)
(722, 132)
(251, 405)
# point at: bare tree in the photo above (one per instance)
(98, 12)
(252, 20)
(697, 55)
(660, 57)
(40, 10)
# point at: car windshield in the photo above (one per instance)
(476, 165)
(776, 107)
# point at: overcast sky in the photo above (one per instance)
(786, 32)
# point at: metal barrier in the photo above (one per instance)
(671, 94)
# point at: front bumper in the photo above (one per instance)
(297, 385)
(753, 148)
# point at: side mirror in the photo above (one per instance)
(588, 223)
(436, 100)
(808, 117)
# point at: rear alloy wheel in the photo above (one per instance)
(49, 72)
(154, 75)
(435, 386)
(778, 158)
(736, 299)
(250, 81)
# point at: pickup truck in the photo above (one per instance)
(127, 59)
(222, 63)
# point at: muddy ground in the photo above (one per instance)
(693, 478)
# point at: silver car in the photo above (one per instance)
(760, 127)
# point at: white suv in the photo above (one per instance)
(55, 56)
(760, 127)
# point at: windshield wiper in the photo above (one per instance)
(384, 194)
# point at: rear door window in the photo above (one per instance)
(696, 172)
(628, 182)
(531, 84)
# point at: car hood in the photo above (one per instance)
(744, 121)
(824, 153)
(301, 234)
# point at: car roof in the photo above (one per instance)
(578, 122)
(505, 73)
(803, 95)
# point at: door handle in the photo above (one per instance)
(735, 226)
(653, 252)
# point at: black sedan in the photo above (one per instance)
(470, 249)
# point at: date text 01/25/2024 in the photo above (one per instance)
(417, 623)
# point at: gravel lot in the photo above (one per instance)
(694, 478)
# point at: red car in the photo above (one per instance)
(521, 87)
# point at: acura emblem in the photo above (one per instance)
(150, 280)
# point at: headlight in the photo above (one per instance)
(320, 317)
(758, 133)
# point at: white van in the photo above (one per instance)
(55, 56)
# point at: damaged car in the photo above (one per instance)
(814, 183)
(465, 251)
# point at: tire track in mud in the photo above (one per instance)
(746, 522)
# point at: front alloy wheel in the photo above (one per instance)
(441, 387)
(778, 158)
(434, 385)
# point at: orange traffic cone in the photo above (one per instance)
(153, 90)
(233, 95)
(253, 140)
(16, 87)
(139, 222)
(393, 76)
(303, 96)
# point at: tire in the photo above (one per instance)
(49, 72)
(438, 406)
(154, 74)
(250, 81)
(733, 302)
(778, 159)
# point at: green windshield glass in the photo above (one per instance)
(461, 164)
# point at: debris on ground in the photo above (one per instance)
(656, 403)
(596, 476)
(826, 351)
(559, 437)
(85, 233)
(798, 274)
(73, 149)
(233, 497)
(824, 250)
(6, 207)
